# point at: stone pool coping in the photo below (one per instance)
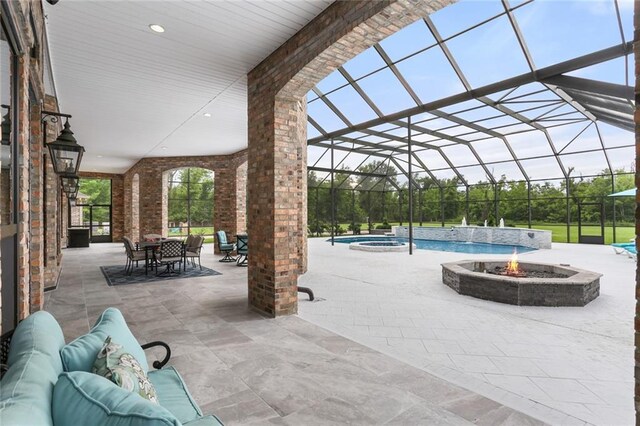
(578, 289)
(361, 245)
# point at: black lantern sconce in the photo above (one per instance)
(72, 196)
(65, 152)
(70, 184)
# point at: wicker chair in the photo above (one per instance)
(170, 253)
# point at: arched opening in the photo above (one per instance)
(189, 206)
(135, 207)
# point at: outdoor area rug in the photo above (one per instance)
(116, 275)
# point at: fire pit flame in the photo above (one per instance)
(512, 266)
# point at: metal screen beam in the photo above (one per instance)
(530, 77)
(592, 86)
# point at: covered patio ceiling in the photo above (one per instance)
(134, 93)
(529, 90)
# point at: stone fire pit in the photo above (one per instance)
(570, 287)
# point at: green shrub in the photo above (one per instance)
(355, 228)
(384, 225)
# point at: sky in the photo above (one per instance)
(483, 45)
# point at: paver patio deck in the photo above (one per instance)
(248, 369)
(542, 361)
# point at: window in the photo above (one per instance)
(190, 202)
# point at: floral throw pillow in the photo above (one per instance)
(123, 370)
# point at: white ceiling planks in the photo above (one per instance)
(134, 93)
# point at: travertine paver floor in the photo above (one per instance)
(544, 361)
(251, 370)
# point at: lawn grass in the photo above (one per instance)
(558, 230)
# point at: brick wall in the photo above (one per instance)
(36, 212)
(32, 197)
(52, 207)
(134, 224)
(229, 193)
(277, 136)
(24, 220)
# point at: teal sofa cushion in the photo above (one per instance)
(173, 394)
(34, 365)
(210, 420)
(80, 354)
(81, 398)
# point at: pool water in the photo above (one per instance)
(454, 246)
(390, 243)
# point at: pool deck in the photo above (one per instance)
(561, 365)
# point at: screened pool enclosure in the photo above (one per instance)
(520, 110)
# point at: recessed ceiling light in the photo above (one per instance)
(157, 28)
(164, 147)
(206, 114)
(99, 156)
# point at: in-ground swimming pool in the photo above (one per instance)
(455, 246)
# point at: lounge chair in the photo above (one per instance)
(620, 248)
(632, 252)
(225, 247)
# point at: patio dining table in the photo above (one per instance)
(151, 247)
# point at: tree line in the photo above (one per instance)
(380, 197)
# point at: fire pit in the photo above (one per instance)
(524, 283)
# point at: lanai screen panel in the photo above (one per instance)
(485, 91)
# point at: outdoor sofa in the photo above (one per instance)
(50, 383)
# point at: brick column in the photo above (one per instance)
(151, 203)
(36, 214)
(229, 199)
(52, 229)
(24, 218)
(131, 206)
(241, 195)
(135, 208)
(224, 215)
(277, 136)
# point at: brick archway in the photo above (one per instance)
(277, 136)
(229, 196)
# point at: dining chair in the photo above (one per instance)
(193, 251)
(133, 255)
(170, 253)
